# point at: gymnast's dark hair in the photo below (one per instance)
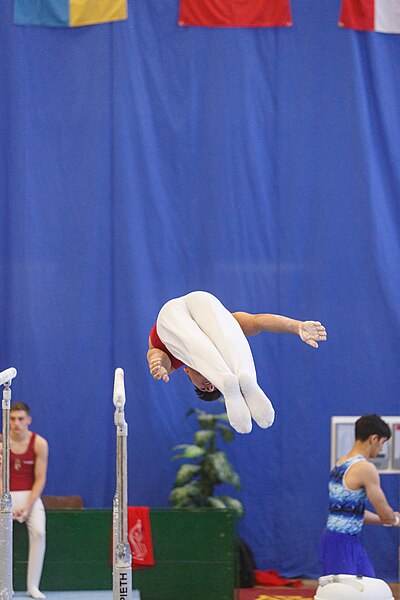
(208, 396)
(371, 425)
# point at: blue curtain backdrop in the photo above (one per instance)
(141, 161)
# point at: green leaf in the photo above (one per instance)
(184, 493)
(186, 503)
(209, 472)
(191, 411)
(215, 502)
(186, 473)
(234, 505)
(220, 465)
(222, 417)
(226, 432)
(203, 437)
(179, 446)
(190, 451)
(206, 421)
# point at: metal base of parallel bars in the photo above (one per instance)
(6, 529)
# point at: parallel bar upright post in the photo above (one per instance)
(122, 558)
(6, 524)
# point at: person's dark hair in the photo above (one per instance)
(20, 406)
(371, 425)
(208, 396)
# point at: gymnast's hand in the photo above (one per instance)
(157, 370)
(312, 332)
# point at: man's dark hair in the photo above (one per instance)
(20, 406)
(208, 396)
(372, 425)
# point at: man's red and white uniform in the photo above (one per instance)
(22, 477)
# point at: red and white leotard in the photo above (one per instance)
(22, 479)
(22, 468)
(198, 331)
(157, 343)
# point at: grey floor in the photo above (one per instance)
(103, 595)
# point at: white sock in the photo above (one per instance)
(34, 592)
(261, 408)
(238, 413)
(259, 404)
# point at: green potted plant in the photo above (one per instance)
(208, 468)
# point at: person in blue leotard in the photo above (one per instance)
(353, 480)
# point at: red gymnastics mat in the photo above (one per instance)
(274, 593)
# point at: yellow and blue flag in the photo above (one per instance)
(69, 13)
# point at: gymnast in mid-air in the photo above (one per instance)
(197, 332)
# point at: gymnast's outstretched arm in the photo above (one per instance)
(311, 332)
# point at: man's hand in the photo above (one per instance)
(157, 370)
(21, 514)
(312, 332)
(397, 515)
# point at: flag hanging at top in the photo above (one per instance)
(371, 15)
(235, 13)
(69, 13)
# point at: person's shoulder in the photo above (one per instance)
(365, 470)
(40, 442)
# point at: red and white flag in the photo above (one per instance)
(139, 537)
(235, 13)
(371, 15)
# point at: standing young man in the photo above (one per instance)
(28, 469)
(354, 480)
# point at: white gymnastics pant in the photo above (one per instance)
(198, 330)
(36, 524)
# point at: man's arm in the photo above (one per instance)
(369, 478)
(371, 518)
(311, 332)
(41, 449)
(159, 363)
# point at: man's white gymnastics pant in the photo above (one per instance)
(198, 330)
(36, 524)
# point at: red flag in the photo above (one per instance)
(235, 13)
(139, 537)
(371, 15)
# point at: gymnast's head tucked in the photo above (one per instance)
(208, 396)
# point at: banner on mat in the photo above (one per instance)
(371, 15)
(235, 13)
(69, 13)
